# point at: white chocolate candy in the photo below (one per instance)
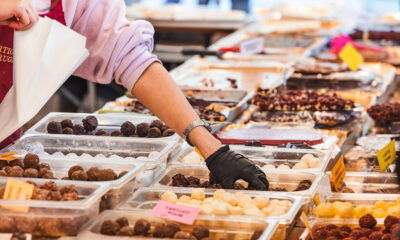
(261, 201)
(314, 163)
(220, 207)
(206, 209)
(184, 199)
(198, 194)
(169, 196)
(283, 166)
(300, 165)
(235, 210)
(306, 158)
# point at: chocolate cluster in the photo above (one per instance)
(385, 113)
(367, 230)
(78, 173)
(299, 100)
(319, 68)
(180, 180)
(29, 167)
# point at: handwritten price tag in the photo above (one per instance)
(252, 46)
(338, 173)
(175, 212)
(17, 190)
(387, 155)
(304, 219)
(9, 156)
(350, 56)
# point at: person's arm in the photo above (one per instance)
(18, 14)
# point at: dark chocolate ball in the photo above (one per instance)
(78, 129)
(48, 175)
(44, 165)
(142, 227)
(168, 133)
(159, 230)
(68, 131)
(92, 173)
(116, 133)
(154, 133)
(182, 235)
(79, 175)
(90, 123)
(51, 186)
(143, 129)
(73, 169)
(67, 123)
(31, 161)
(106, 175)
(16, 171)
(157, 123)
(102, 132)
(126, 231)
(55, 196)
(200, 232)
(170, 230)
(122, 221)
(54, 127)
(128, 129)
(31, 173)
(109, 227)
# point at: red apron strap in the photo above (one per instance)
(57, 13)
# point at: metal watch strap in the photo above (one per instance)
(197, 123)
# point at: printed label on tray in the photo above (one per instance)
(176, 212)
(252, 46)
(10, 156)
(304, 219)
(387, 155)
(350, 56)
(338, 173)
(17, 190)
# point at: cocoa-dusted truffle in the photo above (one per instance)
(102, 132)
(16, 171)
(159, 230)
(116, 133)
(154, 133)
(7, 224)
(92, 173)
(157, 123)
(126, 231)
(44, 165)
(17, 162)
(367, 221)
(168, 133)
(90, 123)
(68, 131)
(51, 186)
(40, 194)
(79, 175)
(31, 173)
(143, 129)
(106, 175)
(128, 129)
(54, 128)
(256, 235)
(67, 123)
(123, 173)
(182, 235)
(170, 230)
(78, 129)
(109, 227)
(3, 173)
(390, 220)
(200, 232)
(73, 169)
(142, 226)
(68, 189)
(31, 161)
(122, 221)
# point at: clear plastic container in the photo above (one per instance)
(109, 123)
(227, 227)
(282, 119)
(54, 218)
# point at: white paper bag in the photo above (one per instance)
(44, 57)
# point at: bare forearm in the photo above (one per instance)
(159, 93)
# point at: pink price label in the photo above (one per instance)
(176, 212)
(339, 42)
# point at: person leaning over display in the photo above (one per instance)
(122, 50)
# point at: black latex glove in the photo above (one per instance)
(228, 166)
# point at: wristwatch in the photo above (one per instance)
(198, 123)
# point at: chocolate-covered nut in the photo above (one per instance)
(109, 227)
(17, 162)
(106, 175)
(142, 227)
(73, 169)
(182, 235)
(157, 123)
(51, 186)
(126, 231)
(128, 129)
(31, 173)
(159, 230)
(102, 132)
(16, 171)
(143, 129)
(79, 175)
(92, 173)
(122, 221)
(54, 127)
(68, 131)
(90, 123)
(168, 133)
(116, 133)
(171, 229)
(154, 133)
(200, 232)
(67, 123)
(31, 161)
(122, 174)
(78, 129)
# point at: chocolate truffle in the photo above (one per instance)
(70, 196)
(123, 173)
(17, 162)
(106, 175)
(128, 129)
(40, 194)
(109, 227)
(79, 176)
(154, 133)
(367, 221)
(3, 173)
(159, 230)
(78, 129)
(116, 133)
(142, 226)
(67, 123)
(366, 232)
(31, 173)
(51, 186)
(54, 196)
(157, 123)
(16, 171)
(48, 175)
(73, 169)
(43, 171)
(92, 173)
(126, 231)
(7, 224)
(376, 236)
(54, 128)
(44, 165)
(7, 169)
(68, 189)
(68, 131)
(390, 220)
(168, 133)
(90, 123)
(170, 230)
(102, 132)
(31, 161)
(122, 221)
(387, 236)
(200, 232)
(143, 129)
(182, 235)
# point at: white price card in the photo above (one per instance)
(252, 46)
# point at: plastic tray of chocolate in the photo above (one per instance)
(52, 218)
(227, 228)
(105, 126)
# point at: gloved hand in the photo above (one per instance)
(228, 166)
